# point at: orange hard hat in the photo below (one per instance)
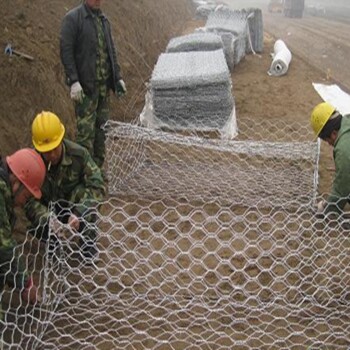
(28, 166)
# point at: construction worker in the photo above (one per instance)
(333, 128)
(73, 183)
(21, 177)
(89, 59)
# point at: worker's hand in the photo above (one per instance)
(30, 293)
(74, 222)
(321, 207)
(56, 225)
(76, 92)
(121, 88)
(58, 228)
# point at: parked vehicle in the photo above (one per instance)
(294, 8)
(315, 10)
(275, 6)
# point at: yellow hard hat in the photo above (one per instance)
(320, 116)
(47, 132)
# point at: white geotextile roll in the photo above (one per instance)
(281, 59)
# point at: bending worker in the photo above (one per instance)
(73, 183)
(21, 177)
(333, 128)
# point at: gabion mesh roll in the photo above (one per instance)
(225, 20)
(192, 90)
(195, 42)
(256, 31)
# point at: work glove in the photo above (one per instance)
(321, 205)
(76, 92)
(121, 87)
(30, 293)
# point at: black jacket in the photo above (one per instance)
(78, 49)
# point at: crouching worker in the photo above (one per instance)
(21, 177)
(333, 128)
(73, 184)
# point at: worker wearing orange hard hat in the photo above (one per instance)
(21, 177)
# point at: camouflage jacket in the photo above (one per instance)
(340, 193)
(12, 269)
(76, 179)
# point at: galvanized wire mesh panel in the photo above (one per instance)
(256, 30)
(205, 244)
(199, 275)
(156, 164)
(195, 42)
(224, 20)
(191, 90)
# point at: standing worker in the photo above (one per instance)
(89, 57)
(73, 183)
(21, 177)
(333, 128)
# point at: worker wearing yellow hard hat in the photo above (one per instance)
(74, 183)
(320, 115)
(47, 132)
(334, 128)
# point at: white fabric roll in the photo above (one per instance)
(281, 59)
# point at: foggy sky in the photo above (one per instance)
(263, 3)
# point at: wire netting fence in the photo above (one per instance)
(244, 171)
(203, 244)
(174, 275)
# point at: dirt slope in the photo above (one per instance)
(141, 29)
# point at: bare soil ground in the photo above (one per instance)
(322, 42)
(320, 49)
(142, 30)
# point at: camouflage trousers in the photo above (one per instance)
(92, 113)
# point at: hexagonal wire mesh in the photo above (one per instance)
(205, 244)
(248, 170)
